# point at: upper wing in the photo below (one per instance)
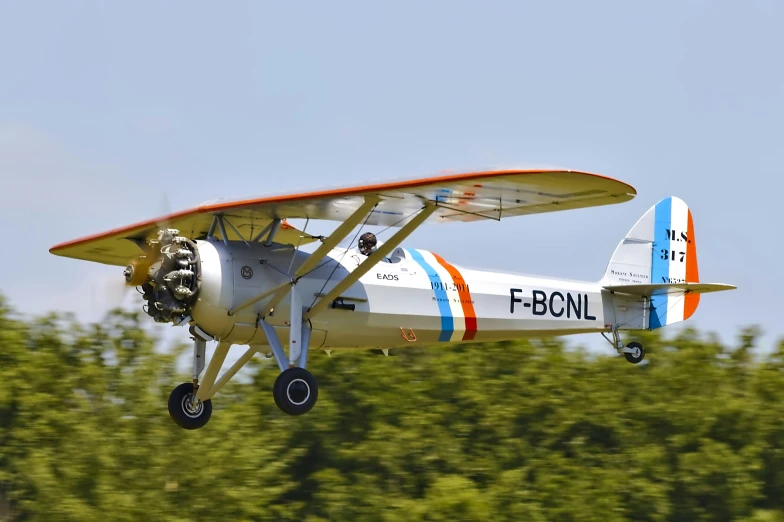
(460, 197)
(114, 248)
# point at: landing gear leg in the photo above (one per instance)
(634, 352)
(295, 390)
(190, 403)
(199, 349)
(185, 409)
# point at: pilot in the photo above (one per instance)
(367, 243)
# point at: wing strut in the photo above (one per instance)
(222, 229)
(273, 231)
(262, 232)
(382, 251)
(327, 245)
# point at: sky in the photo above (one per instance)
(112, 113)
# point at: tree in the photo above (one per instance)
(529, 430)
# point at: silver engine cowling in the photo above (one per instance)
(201, 281)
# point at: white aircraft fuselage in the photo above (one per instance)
(412, 295)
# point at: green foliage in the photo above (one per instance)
(505, 431)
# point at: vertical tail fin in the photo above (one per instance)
(660, 249)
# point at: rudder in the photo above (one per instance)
(659, 249)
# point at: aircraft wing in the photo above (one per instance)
(467, 196)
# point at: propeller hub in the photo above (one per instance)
(137, 271)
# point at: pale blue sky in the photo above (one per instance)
(105, 106)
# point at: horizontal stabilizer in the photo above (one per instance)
(668, 288)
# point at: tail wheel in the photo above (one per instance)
(295, 391)
(185, 411)
(634, 352)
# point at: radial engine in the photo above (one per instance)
(169, 274)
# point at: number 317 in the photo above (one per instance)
(666, 254)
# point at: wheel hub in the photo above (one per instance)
(192, 407)
(298, 392)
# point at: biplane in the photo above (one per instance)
(235, 273)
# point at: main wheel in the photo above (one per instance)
(295, 391)
(184, 412)
(637, 354)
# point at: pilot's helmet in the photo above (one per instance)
(367, 243)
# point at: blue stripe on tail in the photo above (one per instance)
(660, 268)
(447, 321)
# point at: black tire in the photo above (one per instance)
(635, 358)
(295, 391)
(180, 412)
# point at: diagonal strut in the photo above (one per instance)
(373, 259)
(327, 245)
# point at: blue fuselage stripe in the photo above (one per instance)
(660, 268)
(447, 321)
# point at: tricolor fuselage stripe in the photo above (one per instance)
(447, 321)
(465, 297)
(660, 268)
(453, 298)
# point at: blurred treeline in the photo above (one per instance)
(524, 431)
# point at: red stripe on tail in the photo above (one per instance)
(692, 273)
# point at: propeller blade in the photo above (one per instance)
(164, 210)
(110, 292)
(138, 267)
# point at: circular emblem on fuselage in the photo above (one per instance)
(247, 272)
